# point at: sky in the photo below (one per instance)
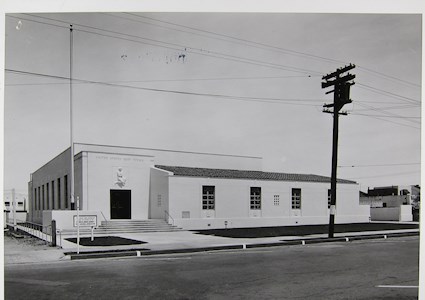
(241, 83)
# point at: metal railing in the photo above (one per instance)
(43, 232)
(168, 217)
(103, 215)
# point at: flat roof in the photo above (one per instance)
(242, 174)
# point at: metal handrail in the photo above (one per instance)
(36, 229)
(169, 217)
(103, 215)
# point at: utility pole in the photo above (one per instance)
(341, 92)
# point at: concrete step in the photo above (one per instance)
(126, 226)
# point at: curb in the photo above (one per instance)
(306, 241)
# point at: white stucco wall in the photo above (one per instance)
(158, 194)
(232, 203)
(65, 218)
(401, 213)
(102, 177)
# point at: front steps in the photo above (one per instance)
(127, 226)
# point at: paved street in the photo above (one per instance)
(372, 269)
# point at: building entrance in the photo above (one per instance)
(120, 204)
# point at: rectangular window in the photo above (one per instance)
(65, 191)
(329, 198)
(39, 199)
(35, 199)
(21, 203)
(43, 198)
(296, 198)
(208, 197)
(7, 203)
(59, 194)
(276, 200)
(159, 200)
(255, 201)
(53, 194)
(47, 196)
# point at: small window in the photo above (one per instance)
(65, 191)
(276, 200)
(159, 200)
(255, 201)
(296, 198)
(20, 203)
(7, 203)
(47, 196)
(208, 197)
(59, 194)
(53, 194)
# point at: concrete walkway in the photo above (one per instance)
(31, 250)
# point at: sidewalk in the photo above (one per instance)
(31, 250)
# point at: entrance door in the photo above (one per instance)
(120, 204)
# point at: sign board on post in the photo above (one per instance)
(86, 221)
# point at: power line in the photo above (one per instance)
(387, 175)
(389, 77)
(265, 46)
(239, 98)
(178, 80)
(386, 113)
(232, 38)
(379, 165)
(231, 97)
(389, 121)
(211, 53)
(386, 108)
(400, 117)
(198, 51)
(390, 94)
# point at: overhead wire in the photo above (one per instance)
(386, 175)
(379, 165)
(216, 54)
(232, 39)
(266, 46)
(386, 93)
(181, 47)
(181, 80)
(386, 113)
(410, 100)
(293, 101)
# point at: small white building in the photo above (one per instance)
(192, 190)
(15, 206)
(390, 203)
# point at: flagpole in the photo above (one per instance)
(72, 179)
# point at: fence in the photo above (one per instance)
(43, 232)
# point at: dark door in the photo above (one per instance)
(120, 204)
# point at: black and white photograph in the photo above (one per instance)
(211, 152)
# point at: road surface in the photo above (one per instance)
(370, 269)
